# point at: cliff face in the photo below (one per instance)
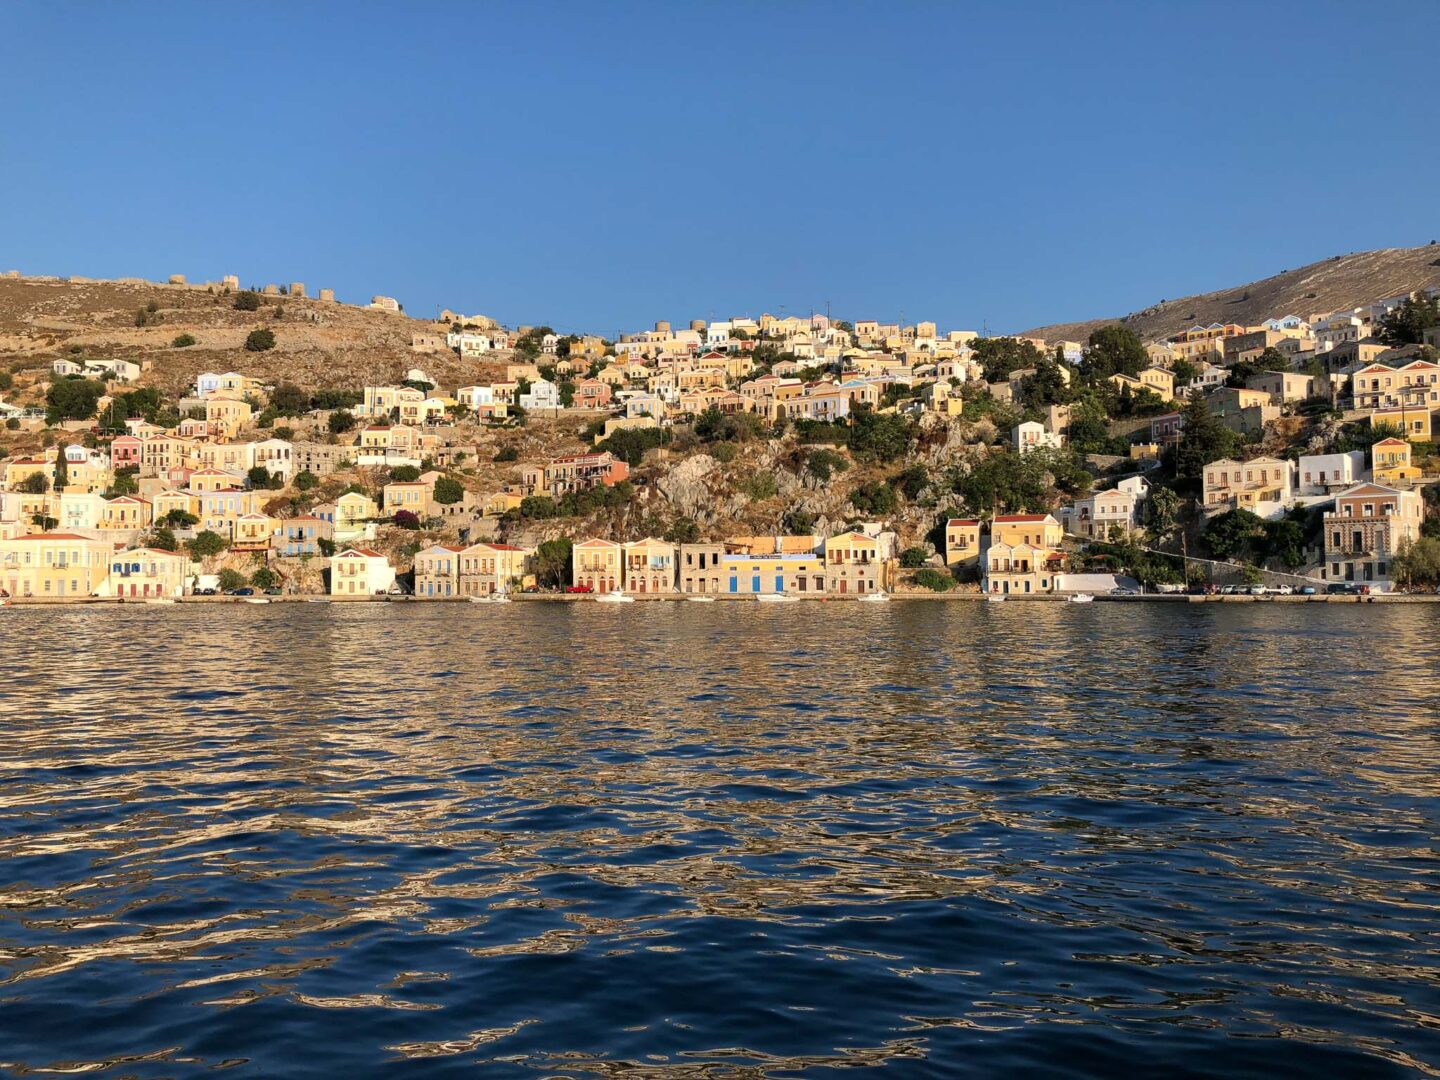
(1336, 284)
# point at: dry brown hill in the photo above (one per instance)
(318, 343)
(1336, 284)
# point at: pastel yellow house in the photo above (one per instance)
(126, 512)
(413, 495)
(852, 564)
(226, 414)
(360, 572)
(1390, 463)
(53, 565)
(1023, 556)
(486, 569)
(597, 564)
(649, 566)
(962, 542)
(254, 532)
(1415, 422)
(146, 572)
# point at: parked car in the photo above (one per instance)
(1257, 590)
(274, 590)
(1283, 590)
(1232, 590)
(246, 591)
(1342, 588)
(206, 592)
(578, 589)
(1307, 590)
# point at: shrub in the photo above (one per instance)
(246, 300)
(259, 340)
(507, 453)
(404, 519)
(404, 474)
(873, 498)
(913, 558)
(448, 491)
(182, 341)
(341, 421)
(264, 578)
(207, 544)
(821, 464)
(762, 486)
(724, 452)
(305, 480)
(934, 580)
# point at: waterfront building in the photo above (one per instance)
(649, 566)
(853, 565)
(360, 572)
(597, 564)
(1365, 531)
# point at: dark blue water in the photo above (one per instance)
(720, 841)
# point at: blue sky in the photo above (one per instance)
(599, 166)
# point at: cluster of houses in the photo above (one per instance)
(853, 564)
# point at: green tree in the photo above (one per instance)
(1203, 439)
(62, 471)
(1112, 350)
(207, 544)
(1406, 325)
(821, 464)
(1232, 534)
(72, 399)
(179, 519)
(34, 484)
(247, 300)
(264, 578)
(404, 474)
(305, 480)
(999, 356)
(124, 484)
(259, 340)
(182, 341)
(163, 539)
(287, 399)
(911, 482)
(340, 422)
(552, 563)
(448, 491)
(230, 580)
(538, 506)
(1417, 563)
(630, 444)
(878, 437)
(1162, 511)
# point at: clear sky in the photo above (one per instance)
(598, 166)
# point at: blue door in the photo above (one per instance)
(734, 584)
(779, 583)
(755, 584)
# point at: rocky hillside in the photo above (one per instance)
(1345, 281)
(317, 344)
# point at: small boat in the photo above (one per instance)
(318, 600)
(700, 599)
(995, 598)
(616, 597)
(255, 600)
(1081, 598)
(881, 597)
(776, 598)
(497, 598)
(160, 600)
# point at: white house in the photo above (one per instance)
(1209, 378)
(469, 342)
(1322, 474)
(543, 394)
(360, 572)
(66, 367)
(206, 383)
(1032, 436)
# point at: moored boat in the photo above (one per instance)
(616, 597)
(995, 598)
(1081, 598)
(881, 597)
(700, 599)
(776, 598)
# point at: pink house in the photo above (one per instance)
(592, 394)
(125, 451)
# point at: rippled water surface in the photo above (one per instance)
(720, 841)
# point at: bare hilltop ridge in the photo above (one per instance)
(1335, 284)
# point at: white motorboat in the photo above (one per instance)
(881, 597)
(700, 599)
(776, 598)
(616, 597)
(995, 598)
(318, 600)
(497, 598)
(160, 600)
(255, 600)
(1081, 598)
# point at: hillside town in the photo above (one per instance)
(790, 456)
